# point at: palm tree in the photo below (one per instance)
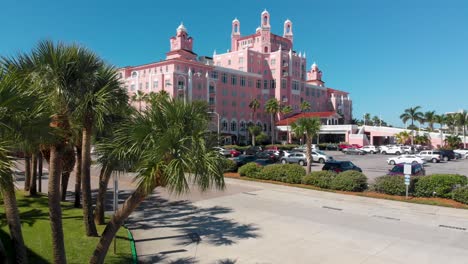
(139, 97)
(376, 120)
(451, 121)
(308, 127)
(453, 141)
(462, 121)
(272, 107)
(412, 114)
(367, 119)
(166, 141)
(254, 105)
(430, 118)
(254, 131)
(305, 106)
(102, 96)
(403, 137)
(285, 110)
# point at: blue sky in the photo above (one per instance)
(390, 55)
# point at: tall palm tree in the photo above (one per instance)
(308, 127)
(254, 131)
(285, 110)
(305, 106)
(412, 114)
(139, 97)
(166, 141)
(376, 121)
(451, 122)
(430, 118)
(254, 105)
(272, 107)
(462, 121)
(100, 97)
(367, 119)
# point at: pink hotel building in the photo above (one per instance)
(261, 65)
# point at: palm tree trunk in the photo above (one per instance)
(33, 187)
(3, 254)
(27, 171)
(13, 220)
(116, 221)
(65, 178)
(104, 177)
(78, 177)
(40, 163)
(86, 180)
(271, 128)
(253, 139)
(308, 153)
(55, 211)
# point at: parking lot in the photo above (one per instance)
(375, 165)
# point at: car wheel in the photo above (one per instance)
(301, 162)
(284, 161)
(372, 152)
(398, 153)
(406, 152)
(392, 162)
(446, 158)
(434, 160)
(384, 152)
(414, 162)
(321, 160)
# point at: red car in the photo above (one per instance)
(234, 153)
(343, 146)
(356, 146)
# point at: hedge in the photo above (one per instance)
(352, 181)
(283, 147)
(394, 185)
(229, 165)
(288, 173)
(320, 179)
(461, 195)
(439, 185)
(250, 169)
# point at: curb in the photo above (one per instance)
(132, 246)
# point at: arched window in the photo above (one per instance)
(265, 20)
(224, 125)
(134, 74)
(242, 126)
(259, 124)
(264, 127)
(235, 28)
(266, 49)
(288, 29)
(233, 126)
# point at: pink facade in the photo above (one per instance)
(261, 65)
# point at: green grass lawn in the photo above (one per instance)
(34, 216)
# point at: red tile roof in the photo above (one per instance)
(293, 118)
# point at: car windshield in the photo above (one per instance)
(398, 169)
(347, 165)
(320, 152)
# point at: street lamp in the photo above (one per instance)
(219, 139)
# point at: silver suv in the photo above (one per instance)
(295, 157)
(430, 155)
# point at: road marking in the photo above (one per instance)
(386, 217)
(453, 227)
(332, 208)
(249, 193)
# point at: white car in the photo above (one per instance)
(405, 159)
(319, 156)
(223, 151)
(370, 149)
(462, 152)
(392, 150)
(430, 155)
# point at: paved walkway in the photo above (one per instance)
(253, 222)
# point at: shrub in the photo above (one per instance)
(353, 181)
(461, 195)
(439, 185)
(284, 147)
(236, 147)
(320, 179)
(250, 170)
(229, 165)
(288, 173)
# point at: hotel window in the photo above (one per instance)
(265, 63)
(233, 80)
(234, 93)
(225, 92)
(147, 85)
(155, 84)
(224, 102)
(259, 84)
(134, 74)
(249, 82)
(180, 85)
(283, 83)
(224, 78)
(273, 84)
(167, 68)
(214, 75)
(212, 88)
(229, 62)
(224, 125)
(199, 86)
(211, 101)
(132, 87)
(273, 61)
(233, 126)
(241, 60)
(265, 84)
(242, 81)
(234, 103)
(265, 72)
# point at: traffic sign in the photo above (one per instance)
(407, 169)
(407, 177)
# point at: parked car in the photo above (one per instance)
(320, 157)
(223, 151)
(340, 166)
(234, 153)
(295, 157)
(266, 155)
(447, 154)
(244, 159)
(392, 150)
(331, 147)
(302, 148)
(405, 159)
(416, 169)
(407, 149)
(264, 162)
(370, 149)
(356, 146)
(354, 151)
(343, 146)
(252, 150)
(462, 152)
(430, 155)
